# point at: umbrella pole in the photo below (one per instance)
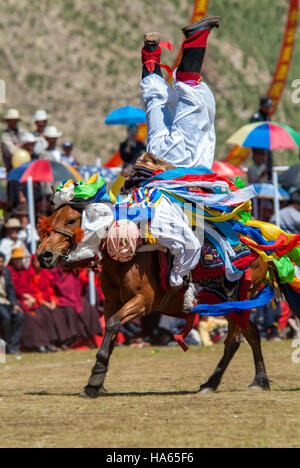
(276, 197)
(30, 196)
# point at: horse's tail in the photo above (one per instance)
(292, 297)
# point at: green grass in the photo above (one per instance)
(151, 400)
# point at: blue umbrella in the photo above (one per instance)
(268, 191)
(127, 115)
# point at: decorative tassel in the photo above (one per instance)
(44, 227)
(78, 235)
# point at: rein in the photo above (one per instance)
(45, 227)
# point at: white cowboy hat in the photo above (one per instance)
(52, 132)
(40, 115)
(28, 138)
(12, 114)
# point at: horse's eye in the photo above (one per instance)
(71, 222)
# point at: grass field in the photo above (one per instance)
(152, 400)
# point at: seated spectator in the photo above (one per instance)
(257, 173)
(46, 297)
(67, 156)
(11, 241)
(11, 316)
(82, 318)
(40, 119)
(39, 331)
(51, 153)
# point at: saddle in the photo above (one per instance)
(144, 168)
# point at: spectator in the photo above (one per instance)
(38, 332)
(11, 316)
(257, 173)
(10, 143)
(27, 231)
(131, 148)
(28, 142)
(263, 115)
(51, 135)
(44, 292)
(67, 156)
(11, 241)
(290, 215)
(40, 119)
(81, 317)
(11, 137)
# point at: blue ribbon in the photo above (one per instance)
(260, 300)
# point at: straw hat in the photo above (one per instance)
(12, 114)
(40, 115)
(52, 132)
(17, 252)
(13, 223)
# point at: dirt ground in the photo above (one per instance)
(152, 400)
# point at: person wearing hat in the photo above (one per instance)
(52, 153)
(28, 142)
(40, 120)
(11, 315)
(27, 231)
(11, 241)
(10, 144)
(264, 115)
(11, 137)
(67, 156)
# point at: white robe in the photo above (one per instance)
(180, 121)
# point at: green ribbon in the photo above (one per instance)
(285, 268)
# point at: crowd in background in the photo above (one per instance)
(45, 311)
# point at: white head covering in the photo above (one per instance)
(12, 114)
(52, 132)
(40, 115)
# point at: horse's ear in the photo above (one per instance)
(53, 190)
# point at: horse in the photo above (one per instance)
(132, 290)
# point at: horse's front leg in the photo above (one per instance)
(132, 309)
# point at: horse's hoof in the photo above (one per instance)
(260, 383)
(90, 392)
(205, 390)
(255, 388)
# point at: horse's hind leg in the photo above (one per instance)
(231, 346)
(261, 381)
(131, 310)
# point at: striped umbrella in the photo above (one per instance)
(267, 135)
(42, 170)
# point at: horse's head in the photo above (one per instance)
(59, 234)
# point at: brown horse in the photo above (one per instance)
(133, 290)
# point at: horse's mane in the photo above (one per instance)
(79, 204)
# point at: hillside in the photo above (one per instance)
(80, 59)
